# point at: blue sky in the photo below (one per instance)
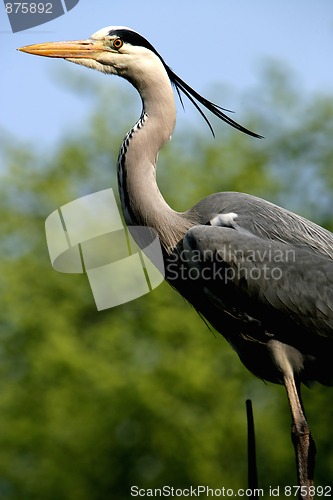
(206, 43)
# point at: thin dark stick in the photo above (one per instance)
(251, 452)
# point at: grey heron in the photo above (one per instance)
(261, 275)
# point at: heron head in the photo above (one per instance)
(115, 50)
(122, 51)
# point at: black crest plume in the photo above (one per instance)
(135, 38)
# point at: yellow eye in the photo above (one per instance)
(118, 43)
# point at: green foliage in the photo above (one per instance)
(144, 394)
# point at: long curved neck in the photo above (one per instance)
(141, 199)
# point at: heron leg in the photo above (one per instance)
(305, 448)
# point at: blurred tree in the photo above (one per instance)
(144, 394)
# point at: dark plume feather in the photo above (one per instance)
(193, 96)
(135, 38)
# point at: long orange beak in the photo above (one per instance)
(78, 49)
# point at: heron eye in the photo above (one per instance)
(118, 43)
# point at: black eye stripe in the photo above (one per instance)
(133, 38)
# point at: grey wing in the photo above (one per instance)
(283, 287)
(264, 219)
